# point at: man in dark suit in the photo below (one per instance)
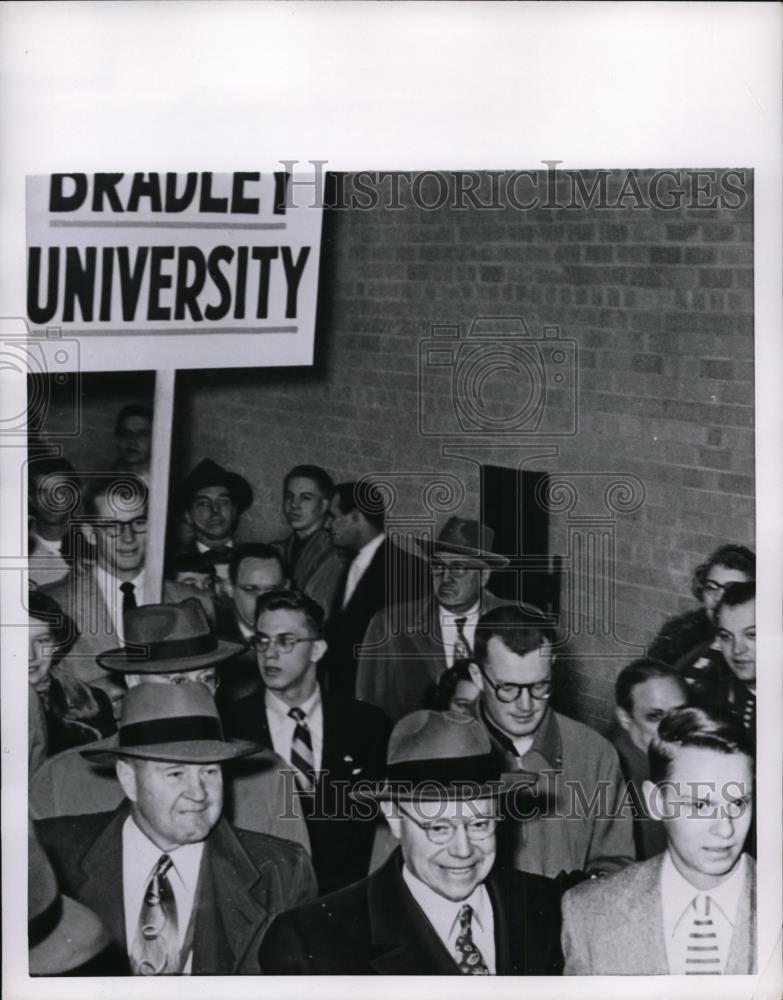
(178, 888)
(398, 664)
(437, 907)
(379, 575)
(331, 741)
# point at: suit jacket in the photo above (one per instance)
(375, 927)
(614, 926)
(355, 737)
(319, 568)
(401, 659)
(245, 879)
(392, 577)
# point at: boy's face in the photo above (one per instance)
(705, 805)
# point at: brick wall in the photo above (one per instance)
(659, 305)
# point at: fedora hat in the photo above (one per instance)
(170, 722)
(438, 756)
(465, 537)
(166, 639)
(62, 934)
(209, 473)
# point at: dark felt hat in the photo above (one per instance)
(170, 722)
(166, 639)
(465, 537)
(208, 473)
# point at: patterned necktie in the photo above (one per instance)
(155, 950)
(302, 752)
(469, 958)
(702, 951)
(461, 646)
(128, 600)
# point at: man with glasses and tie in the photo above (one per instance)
(330, 740)
(692, 909)
(438, 906)
(570, 820)
(398, 665)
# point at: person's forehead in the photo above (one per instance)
(281, 620)
(253, 570)
(453, 559)
(302, 484)
(336, 506)
(455, 809)
(738, 616)
(657, 692)
(704, 771)
(724, 574)
(37, 627)
(212, 493)
(135, 423)
(124, 511)
(523, 668)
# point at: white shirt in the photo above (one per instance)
(282, 726)
(361, 561)
(45, 562)
(450, 633)
(109, 587)
(443, 914)
(677, 896)
(139, 858)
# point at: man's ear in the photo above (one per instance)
(485, 575)
(317, 650)
(476, 676)
(392, 816)
(652, 799)
(622, 717)
(127, 779)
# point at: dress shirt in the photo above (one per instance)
(109, 587)
(282, 726)
(361, 561)
(202, 548)
(139, 857)
(46, 563)
(677, 896)
(443, 914)
(448, 629)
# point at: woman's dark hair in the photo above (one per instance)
(439, 694)
(736, 557)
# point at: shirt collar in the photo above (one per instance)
(108, 580)
(208, 548)
(443, 913)
(368, 550)
(546, 741)
(449, 617)
(677, 893)
(276, 704)
(186, 859)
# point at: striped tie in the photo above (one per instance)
(302, 752)
(702, 951)
(461, 646)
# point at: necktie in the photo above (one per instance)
(155, 950)
(128, 600)
(461, 646)
(469, 958)
(702, 951)
(302, 752)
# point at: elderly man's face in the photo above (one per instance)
(737, 639)
(449, 846)
(213, 514)
(173, 804)
(457, 581)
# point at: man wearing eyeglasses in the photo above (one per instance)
(438, 906)
(571, 819)
(331, 741)
(397, 665)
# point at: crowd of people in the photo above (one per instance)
(328, 754)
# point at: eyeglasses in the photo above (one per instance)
(283, 643)
(456, 571)
(442, 831)
(113, 529)
(508, 692)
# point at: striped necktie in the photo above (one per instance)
(702, 950)
(155, 949)
(302, 751)
(461, 646)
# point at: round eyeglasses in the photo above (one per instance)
(508, 692)
(283, 643)
(114, 529)
(441, 831)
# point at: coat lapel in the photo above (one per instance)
(741, 960)
(101, 867)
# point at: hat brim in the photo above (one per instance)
(458, 791)
(121, 662)
(78, 937)
(183, 752)
(491, 559)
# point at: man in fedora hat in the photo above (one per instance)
(179, 889)
(212, 500)
(172, 644)
(437, 906)
(397, 665)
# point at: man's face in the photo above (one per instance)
(200, 581)
(50, 498)
(291, 675)
(213, 514)
(121, 538)
(40, 654)
(718, 577)
(452, 869)
(304, 506)
(203, 675)
(255, 577)
(344, 529)
(706, 808)
(457, 581)
(174, 804)
(737, 639)
(650, 701)
(524, 714)
(133, 441)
